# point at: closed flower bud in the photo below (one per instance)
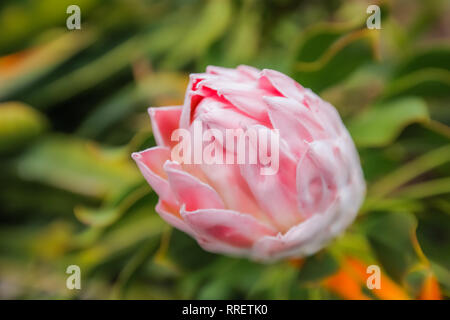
(283, 192)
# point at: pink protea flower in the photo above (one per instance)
(233, 208)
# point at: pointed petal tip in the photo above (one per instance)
(136, 156)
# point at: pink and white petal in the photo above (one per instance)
(249, 71)
(151, 162)
(221, 71)
(240, 74)
(274, 193)
(227, 180)
(296, 123)
(226, 226)
(172, 216)
(351, 185)
(219, 115)
(190, 191)
(327, 222)
(249, 102)
(164, 121)
(324, 111)
(317, 178)
(350, 200)
(301, 240)
(192, 98)
(191, 101)
(244, 96)
(282, 84)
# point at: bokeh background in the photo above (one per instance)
(73, 108)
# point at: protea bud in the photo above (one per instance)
(311, 193)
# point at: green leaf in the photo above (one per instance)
(380, 125)
(121, 238)
(409, 171)
(216, 290)
(425, 73)
(211, 24)
(79, 166)
(436, 57)
(317, 267)
(110, 213)
(433, 236)
(390, 236)
(23, 69)
(19, 125)
(427, 82)
(157, 85)
(132, 267)
(242, 45)
(426, 189)
(330, 56)
(88, 75)
(275, 282)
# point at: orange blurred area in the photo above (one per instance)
(430, 289)
(351, 278)
(14, 60)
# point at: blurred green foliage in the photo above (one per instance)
(73, 108)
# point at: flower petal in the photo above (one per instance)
(172, 216)
(246, 97)
(251, 72)
(190, 191)
(301, 240)
(228, 227)
(228, 73)
(151, 162)
(192, 98)
(164, 121)
(227, 180)
(317, 173)
(218, 115)
(296, 123)
(282, 84)
(275, 193)
(325, 112)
